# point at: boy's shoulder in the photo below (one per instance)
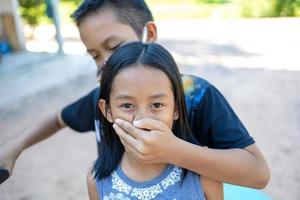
(195, 89)
(80, 115)
(94, 94)
(192, 84)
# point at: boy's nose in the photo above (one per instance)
(106, 56)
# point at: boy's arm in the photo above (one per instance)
(245, 167)
(45, 128)
(78, 115)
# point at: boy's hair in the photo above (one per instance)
(132, 54)
(134, 13)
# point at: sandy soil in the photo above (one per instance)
(55, 168)
(266, 101)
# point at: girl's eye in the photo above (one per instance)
(127, 106)
(157, 105)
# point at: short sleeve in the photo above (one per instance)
(81, 114)
(212, 120)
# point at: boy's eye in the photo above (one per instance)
(96, 57)
(157, 105)
(114, 47)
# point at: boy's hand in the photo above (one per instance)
(149, 140)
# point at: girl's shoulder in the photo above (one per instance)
(92, 188)
(212, 189)
(206, 188)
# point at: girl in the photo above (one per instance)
(142, 81)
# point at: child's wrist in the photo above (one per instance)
(174, 153)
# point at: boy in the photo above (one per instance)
(105, 25)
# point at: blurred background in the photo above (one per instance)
(248, 49)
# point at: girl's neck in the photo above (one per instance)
(139, 171)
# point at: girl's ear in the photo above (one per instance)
(176, 115)
(105, 110)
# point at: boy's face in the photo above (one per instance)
(102, 33)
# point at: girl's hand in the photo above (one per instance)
(149, 140)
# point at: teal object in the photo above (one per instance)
(233, 192)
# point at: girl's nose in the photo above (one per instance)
(140, 114)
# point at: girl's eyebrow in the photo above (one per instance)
(156, 96)
(160, 95)
(122, 96)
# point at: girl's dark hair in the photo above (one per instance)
(132, 54)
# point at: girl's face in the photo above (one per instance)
(139, 92)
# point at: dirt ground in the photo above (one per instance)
(266, 100)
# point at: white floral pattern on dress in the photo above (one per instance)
(117, 196)
(146, 193)
(119, 184)
(172, 178)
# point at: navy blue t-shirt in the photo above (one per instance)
(211, 119)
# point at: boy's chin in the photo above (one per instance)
(99, 78)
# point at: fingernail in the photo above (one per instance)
(118, 121)
(135, 123)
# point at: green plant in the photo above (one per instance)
(76, 2)
(255, 8)
(214, 1)
(32, 11)
(269, 8)
(284, 7)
